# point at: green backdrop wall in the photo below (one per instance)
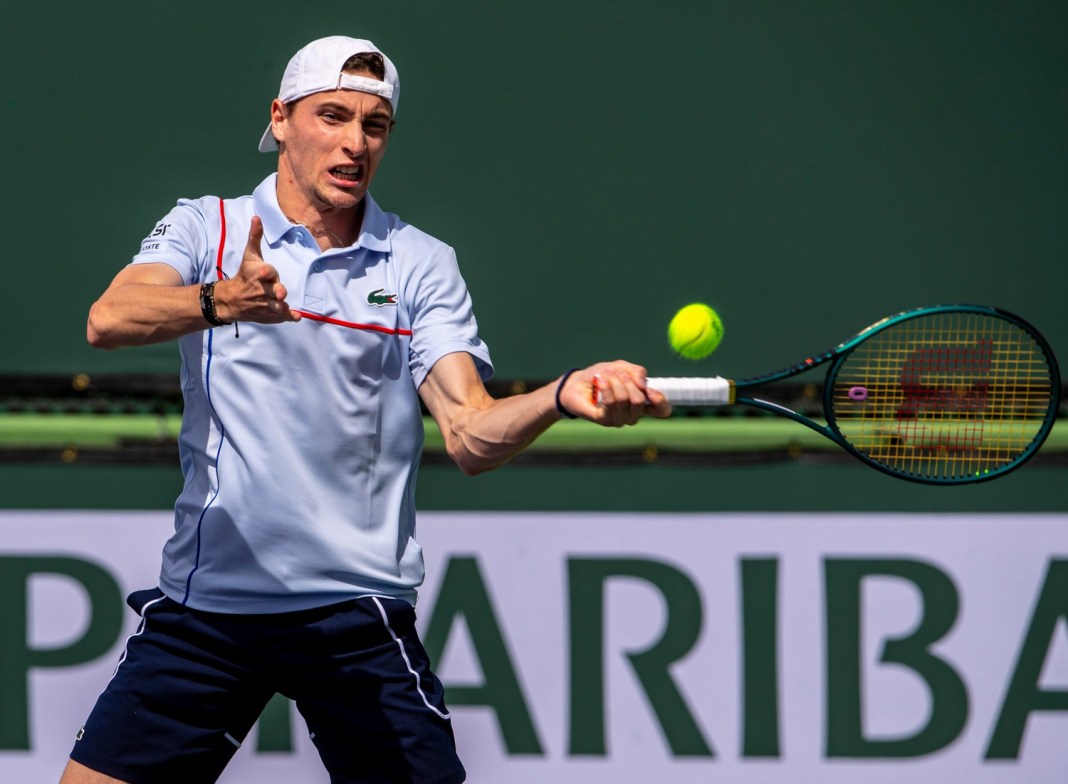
(806, 167)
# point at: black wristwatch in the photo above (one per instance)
(207, 305)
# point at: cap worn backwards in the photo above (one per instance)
(317, 68)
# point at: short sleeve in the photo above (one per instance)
(180, 240)
(442, 318)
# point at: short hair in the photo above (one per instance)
(366, 62)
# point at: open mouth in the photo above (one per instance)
(351, 174)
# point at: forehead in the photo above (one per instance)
(355, 101)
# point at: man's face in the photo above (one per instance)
(331, 145)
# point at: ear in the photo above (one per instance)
(279, 115)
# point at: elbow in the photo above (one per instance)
(473, 452)
(469, 463)
(96, 331)
(96, 338)
(470, 470)
(469, 460)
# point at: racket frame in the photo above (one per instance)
(836, 357)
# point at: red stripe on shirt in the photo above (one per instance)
(222, 240)
(353, 325)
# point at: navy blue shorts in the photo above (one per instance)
(191, 684)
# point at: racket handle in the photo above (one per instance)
(713, 391)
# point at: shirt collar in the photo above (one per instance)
(374, 233)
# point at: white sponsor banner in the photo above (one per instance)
(632, 648)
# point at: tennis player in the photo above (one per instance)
(310, 325)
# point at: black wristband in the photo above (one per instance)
(207, 304)
(560, 388)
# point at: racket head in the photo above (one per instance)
(953, 394)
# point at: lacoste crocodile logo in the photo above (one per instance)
(378, 299)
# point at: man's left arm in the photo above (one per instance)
(482, 433)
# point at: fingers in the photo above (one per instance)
(267, 276)
(621, 396)
(275, 293)
(658, 405)
(613, 394)
(615, 387)
(257, 293)
(255, 236)
(252, 264)
(281, 309)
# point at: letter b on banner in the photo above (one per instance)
(17, 658)
(949, 697)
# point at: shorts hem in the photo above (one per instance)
(106, 767)
(452, 777)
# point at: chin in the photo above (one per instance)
(343, 200)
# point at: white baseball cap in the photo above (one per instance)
(317, 68)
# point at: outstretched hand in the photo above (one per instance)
(612, 394)
(255, 293)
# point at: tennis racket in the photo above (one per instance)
(941, 395)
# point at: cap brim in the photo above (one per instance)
(267, 141)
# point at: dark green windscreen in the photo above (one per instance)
(805, 167)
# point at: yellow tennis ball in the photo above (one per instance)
(695, 331)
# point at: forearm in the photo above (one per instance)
(137, 314)
(483, 438)
(150, 303)
(482, 433)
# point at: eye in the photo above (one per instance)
(376, 127)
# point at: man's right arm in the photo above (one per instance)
(150, 303)
(145, 303)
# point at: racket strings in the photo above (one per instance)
(944, 396)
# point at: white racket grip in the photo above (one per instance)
(713, 391)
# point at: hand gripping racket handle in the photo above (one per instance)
(713, 391)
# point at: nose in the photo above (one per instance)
(355, 141)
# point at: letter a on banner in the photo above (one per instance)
(1024, 694)
(463, 593)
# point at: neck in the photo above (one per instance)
(331, 227)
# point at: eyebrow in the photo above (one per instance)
(377, 113)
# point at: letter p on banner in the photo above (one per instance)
(17, 658)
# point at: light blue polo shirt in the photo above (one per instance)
(300, 441)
